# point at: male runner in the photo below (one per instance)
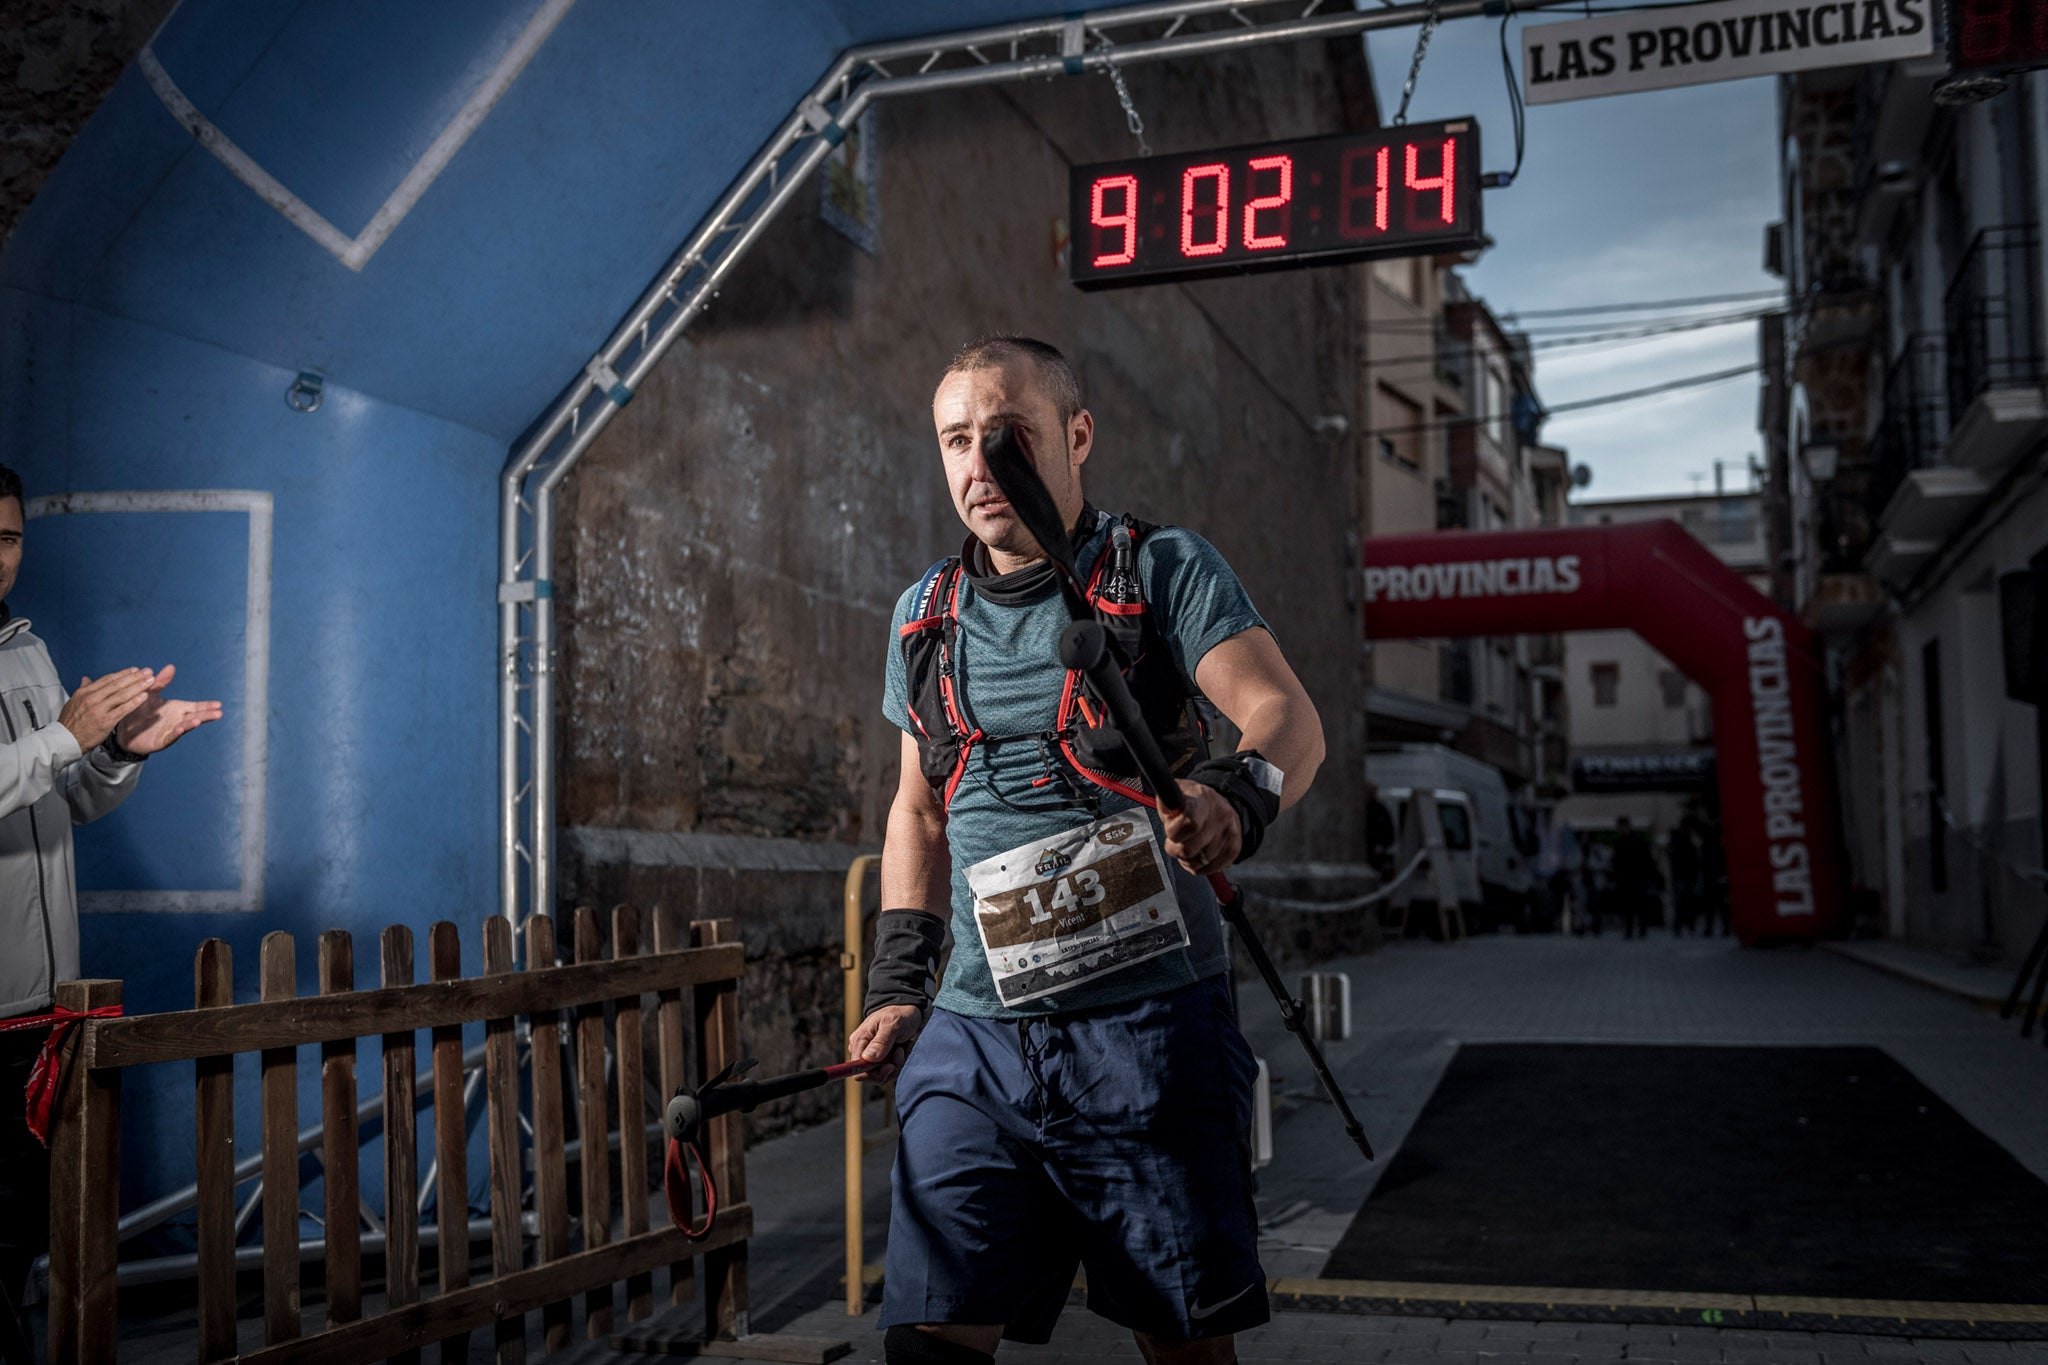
(1079, 1093)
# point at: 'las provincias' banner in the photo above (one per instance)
(1652, 49)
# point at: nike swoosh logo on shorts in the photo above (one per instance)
(1197, 1312)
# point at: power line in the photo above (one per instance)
(1588, 319)
(1677, 322)
(1644, 305)
(1628, 337)
(1602, 400)
(1689, 382)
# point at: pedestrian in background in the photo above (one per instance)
(65, 759)
(1635, 876)
(1713, 878)
(1598, 881)
(1682, 853)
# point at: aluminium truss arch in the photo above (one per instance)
(1041, 49)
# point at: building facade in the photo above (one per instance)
(1642, 732)
(1908, 483)
(1454, 447)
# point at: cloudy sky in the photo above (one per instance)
(1660, 195)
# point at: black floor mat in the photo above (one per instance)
(1824, 1172)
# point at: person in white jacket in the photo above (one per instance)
(65, 759)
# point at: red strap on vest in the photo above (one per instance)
(1071, 699)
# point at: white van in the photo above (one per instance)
(1454, 813)
(1498, 829)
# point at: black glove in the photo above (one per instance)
(1251, 785)
(906, 961)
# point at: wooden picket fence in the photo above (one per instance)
(560, 1002)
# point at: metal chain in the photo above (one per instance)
(1123, 97)
(1429, 23)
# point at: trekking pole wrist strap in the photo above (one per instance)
(906, 960)
(1251, 785)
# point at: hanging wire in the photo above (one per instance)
(1123, 97)
(1429, 23)
(1507, 67)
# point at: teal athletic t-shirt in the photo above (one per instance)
(1009, 666)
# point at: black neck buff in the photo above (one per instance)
(1033, 582)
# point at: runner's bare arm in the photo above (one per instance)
(1249, 680)
(917, 872)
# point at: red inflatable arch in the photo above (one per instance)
(1759, 665)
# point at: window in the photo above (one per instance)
(1401, 435)
(1673, 684)
(1401, 274)
(1457, 826)
(1606, 683)
(1737, 526)
(1496, 410)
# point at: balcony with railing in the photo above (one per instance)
(1995, 359)
(1911, 497)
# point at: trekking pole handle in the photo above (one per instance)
(690, 1110)
(1085, 647)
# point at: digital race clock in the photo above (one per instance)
(1405, 191)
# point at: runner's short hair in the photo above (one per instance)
(10, 486)
(999, 348)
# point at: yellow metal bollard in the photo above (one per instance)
(853, 966)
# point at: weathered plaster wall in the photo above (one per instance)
(736, 541)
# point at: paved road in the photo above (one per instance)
(1414, 1005)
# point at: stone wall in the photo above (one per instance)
(58, 59)
(735, 542)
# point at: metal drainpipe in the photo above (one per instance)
(512, 591)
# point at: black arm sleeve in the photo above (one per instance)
(1251, 785)
(906, 962)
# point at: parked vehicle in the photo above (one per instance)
(1502, 833)
(1454, 813)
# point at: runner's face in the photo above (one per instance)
(972, 403)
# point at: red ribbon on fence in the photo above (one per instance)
(42, 1080)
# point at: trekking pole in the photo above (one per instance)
(1084, 646)
(725, 1093)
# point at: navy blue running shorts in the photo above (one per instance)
(1114, 1139)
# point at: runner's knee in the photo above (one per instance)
(907, 1345)
(1168, 1351)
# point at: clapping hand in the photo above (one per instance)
(101, 703)
(159, 722)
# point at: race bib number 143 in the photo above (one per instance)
(1058, 913)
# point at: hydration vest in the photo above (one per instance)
(943, 725)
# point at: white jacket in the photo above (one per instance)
(46, 787)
